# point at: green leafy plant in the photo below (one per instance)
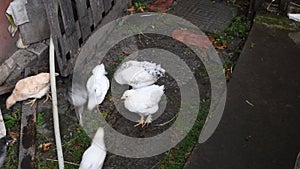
(139, 4)
(39, 118)
(220, 38)
(239, 27)
(11, 120)
(177, 156)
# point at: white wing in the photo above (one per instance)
(138, 74)
(97, 88)
(93, 158)
(145, 100)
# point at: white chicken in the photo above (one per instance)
(31, 87)
(97, 86)
(138, 74)
(143, 101)
(94, 156)
(78, 96)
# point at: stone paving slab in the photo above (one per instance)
(205, 14)
(265, 133)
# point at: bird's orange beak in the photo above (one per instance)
(123, 98)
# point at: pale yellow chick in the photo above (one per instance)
(31, 87)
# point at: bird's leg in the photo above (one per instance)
(80, 119)
(148, 120)
(98, 106)
(31, 102)
(140, 122)
(48, 96)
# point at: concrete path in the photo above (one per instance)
(209, 16)
(260, 127)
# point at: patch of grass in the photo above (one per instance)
(39, 118)
(75, 147)
(275, 21)
(177, 156)
(239, 28)
(140, 4)
(11, 120)
(11, 160)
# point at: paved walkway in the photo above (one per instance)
(205, 14)
(265, 132)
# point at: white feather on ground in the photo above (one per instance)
(138, 74)
(94, 156)
(97, 86)
(143, 101)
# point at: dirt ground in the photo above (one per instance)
(68, 120)
(74, 139)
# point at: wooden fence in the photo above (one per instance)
(71, 23)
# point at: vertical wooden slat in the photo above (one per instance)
(51, 7)
(107, 5)
(71, 42)
(67, 15)
(83, 19)
(97, 7)
(71, 23)
(91, 17)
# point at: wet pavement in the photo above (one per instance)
(209, 16)
(260, 125)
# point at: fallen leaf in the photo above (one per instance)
(131, 9)
(46, 146)
(228, 71)
(125, 53)
(141, 9)
(160, 5)
(221, 46)
(211, 39)
(191, 38)
(14, 134)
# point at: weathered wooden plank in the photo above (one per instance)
(97, 7)
(6, 88)
(71, 41)
(83, 19)
(67, 16)
(107, 5)
(37, 29)
(27, 134)
(52, 14)
(91, 17)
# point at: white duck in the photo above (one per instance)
(97, 86)
(138, 74)
(94, 156)
(143, 101)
